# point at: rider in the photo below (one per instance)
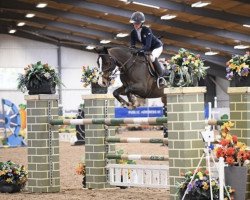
(144, 35)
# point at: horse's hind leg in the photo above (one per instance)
(121, 91)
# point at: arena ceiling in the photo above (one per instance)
(79, 23)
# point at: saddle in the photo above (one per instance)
(145, 57)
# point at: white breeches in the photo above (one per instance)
(156, 53)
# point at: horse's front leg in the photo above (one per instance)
(121, 91)
(132, 100)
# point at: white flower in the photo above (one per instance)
(47, 75)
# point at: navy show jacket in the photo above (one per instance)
(148, 40)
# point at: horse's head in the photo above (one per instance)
(106, 65)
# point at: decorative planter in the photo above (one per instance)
(236, 177)
(9, 188)
(240, 81)
(46, 87)
(97, 89)
(195, 196)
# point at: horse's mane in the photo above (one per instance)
(119, 53)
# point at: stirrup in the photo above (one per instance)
(161, 82)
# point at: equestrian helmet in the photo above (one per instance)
(137, 18)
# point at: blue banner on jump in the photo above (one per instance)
(139, 112)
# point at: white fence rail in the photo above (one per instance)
(151, 176)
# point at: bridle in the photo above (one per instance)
(110, 68)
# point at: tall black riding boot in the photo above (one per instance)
(160, 71)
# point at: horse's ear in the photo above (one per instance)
(101, 49)
(98, 49)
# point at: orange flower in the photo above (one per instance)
(235, 139)
(220, 152)
(230, 160)
(80, 168)
(230, 151)
(224, 142)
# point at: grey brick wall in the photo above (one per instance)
(95, 147)
(185, 121)
(240, 115)
(43, 145)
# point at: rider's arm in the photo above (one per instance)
(132, 39)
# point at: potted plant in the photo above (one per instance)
(199, 187)
(90, 76)
(38, 78)
(238, 70)
(185, 69)
(237, 157)
(13, 177)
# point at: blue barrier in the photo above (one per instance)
(139, 112)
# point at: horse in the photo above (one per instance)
(135, 75)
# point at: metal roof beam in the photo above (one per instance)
(46, 22)
(152, 18)
(105, 35)
(204, 11)
(168, 35)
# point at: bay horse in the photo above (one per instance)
(137, 81)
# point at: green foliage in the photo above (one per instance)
(121, 161)
(89, 75)
(238, 66)
(35, 74)
(185, 69)
(13, 173)
(199, 187)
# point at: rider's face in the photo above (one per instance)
(137, 25)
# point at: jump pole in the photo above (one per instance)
(110, 121)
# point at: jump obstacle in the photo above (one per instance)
(131, 175)
(10, 122)
(185, 121)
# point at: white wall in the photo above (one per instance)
(16, 53)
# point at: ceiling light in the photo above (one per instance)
(90, 47)
(246, 25)
(120, 35)
(105, 41)
(144, 4)
(200, 4)
(41, 5)
(168, 17)
(147, 25)
(12, 31)
(211, 53)
(30, 15)
(21, 24)
(241, 46)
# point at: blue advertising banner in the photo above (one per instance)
(139, 112)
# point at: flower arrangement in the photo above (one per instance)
(36, 74)
(12, 173)
(122, 161)
(199, 187)
(81, 170)
(185, 68)
(89, 75)
(235, 153)
(238, 66)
